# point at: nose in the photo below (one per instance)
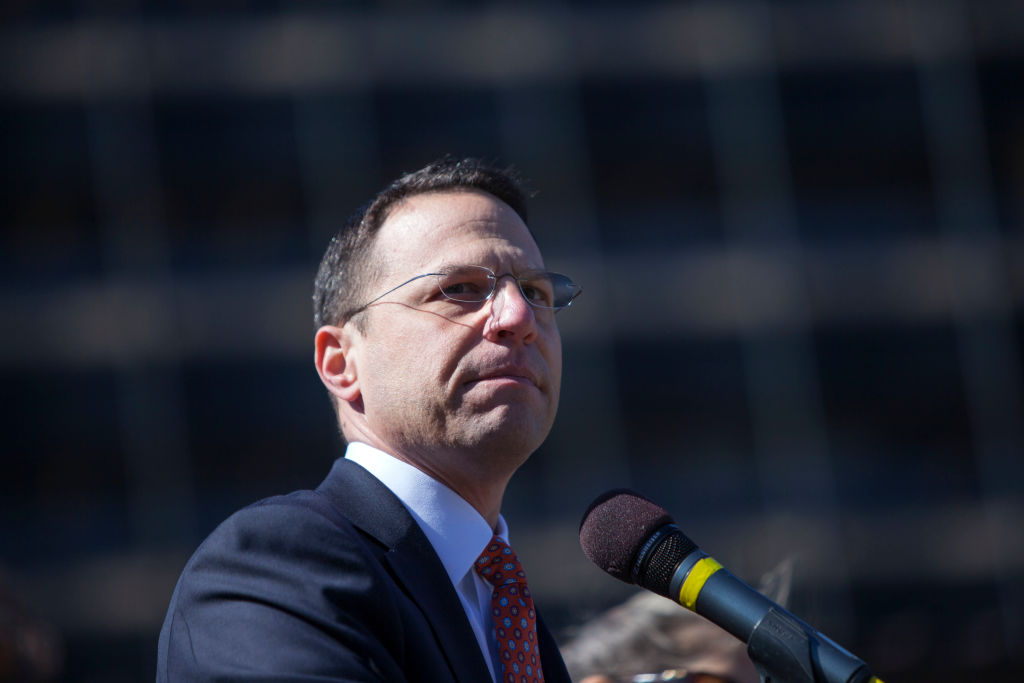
(511, 316)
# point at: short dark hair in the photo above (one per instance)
(343, 273)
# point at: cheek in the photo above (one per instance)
(552, 352)
(423, 357)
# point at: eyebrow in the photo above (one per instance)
(515, 271)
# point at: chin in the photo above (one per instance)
(515, 424)
(515, 438)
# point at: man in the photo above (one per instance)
(437, 342)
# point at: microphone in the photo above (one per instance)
(637, 541)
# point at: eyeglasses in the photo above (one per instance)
(476, 284)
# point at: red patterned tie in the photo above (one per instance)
(515, 620)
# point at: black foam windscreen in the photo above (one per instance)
(616, 526)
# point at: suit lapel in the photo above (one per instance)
(428, 584)
(373, 508)
(550, 656)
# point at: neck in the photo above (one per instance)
(481, 487)
(484, 493)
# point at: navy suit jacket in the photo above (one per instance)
(336, 584)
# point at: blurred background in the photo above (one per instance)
(798, 227)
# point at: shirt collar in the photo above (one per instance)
(457, 532)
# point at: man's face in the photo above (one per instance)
(443, 377)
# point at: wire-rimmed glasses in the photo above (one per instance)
(476, 284)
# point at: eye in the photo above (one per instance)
(465, 285)
(538, 291)
(459, 289)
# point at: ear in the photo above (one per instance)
(335, 360)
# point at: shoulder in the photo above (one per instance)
(267, 543)
(285, 584)
(299, 518)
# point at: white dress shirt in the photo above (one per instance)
(454, 528)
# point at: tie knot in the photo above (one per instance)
(499, 565)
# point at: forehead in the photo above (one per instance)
(465, 227)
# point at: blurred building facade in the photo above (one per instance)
(797, 224)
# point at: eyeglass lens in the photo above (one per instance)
(476, 283)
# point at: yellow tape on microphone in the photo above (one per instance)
(695, 581)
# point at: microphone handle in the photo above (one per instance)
(783, 648)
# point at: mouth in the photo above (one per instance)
(509, 376)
